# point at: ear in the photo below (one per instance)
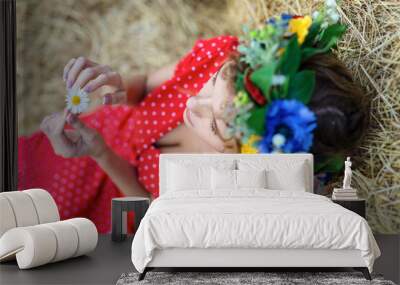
(224, 89)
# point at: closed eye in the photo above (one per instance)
(214, 78)
(214, 127)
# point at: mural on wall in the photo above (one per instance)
(112, 148)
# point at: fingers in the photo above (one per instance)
(89, 140)
(72, 135)
(68, 67)
(108, 77)
(89, 73)
(76, 68)
(54, 124)
(115, 98)
(78, 125)
(53, 127)
(71, 143)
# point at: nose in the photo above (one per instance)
(191, 102)
(200, 106)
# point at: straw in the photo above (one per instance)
(139, 36)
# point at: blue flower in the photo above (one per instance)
(283, 20)
(292, 120)
(286, 17)
(271, 21)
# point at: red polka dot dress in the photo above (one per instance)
(78, 185)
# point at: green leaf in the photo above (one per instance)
(312, 33)
(280, 91)
(285, 88)
(302, 85)
(291, 59)
(256, 121)
(262, 78)
(309, 52)
(275, 93)
(239, 84)
(332, 34)
(328, 40)
(333, 164)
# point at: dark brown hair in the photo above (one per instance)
(339, 105)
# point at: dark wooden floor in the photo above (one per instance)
(110, 260)
(102, 266)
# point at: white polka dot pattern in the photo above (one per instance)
(78, 185)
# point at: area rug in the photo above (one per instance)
(242, 278)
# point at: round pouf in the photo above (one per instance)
(120, 207)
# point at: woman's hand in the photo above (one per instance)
(90, 76)
(83, 141)
(80, 141)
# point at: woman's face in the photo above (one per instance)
(204, 113)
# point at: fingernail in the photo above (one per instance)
(87, 89)
(107, 99)
(71, 118)
(69, 84)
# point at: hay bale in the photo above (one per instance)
(130, 36)
(136, 36)
(371, 50)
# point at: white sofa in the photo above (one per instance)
(31, 231)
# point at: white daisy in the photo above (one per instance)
(331, 3)
(77, 100)
(278, 140)
(331, 11)
(278, 79)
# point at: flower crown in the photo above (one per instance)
(269, 112)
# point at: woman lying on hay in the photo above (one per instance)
(279, 90)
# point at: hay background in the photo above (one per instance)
(139, 36)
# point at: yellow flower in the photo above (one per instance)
(300, 27)
(248, 146)
(241, 99)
